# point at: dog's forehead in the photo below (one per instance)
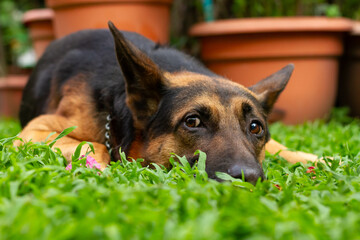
(194, 84)
(186, 79)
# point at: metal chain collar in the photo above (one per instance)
(107, 133)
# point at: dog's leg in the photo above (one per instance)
(39, 129)
(274, 147)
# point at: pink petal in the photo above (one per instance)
(92, 163)
(68, 167)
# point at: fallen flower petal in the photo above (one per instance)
(310, 170)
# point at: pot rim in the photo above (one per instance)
(66, 3)
(37, 15)
(271, 24)
(13, 82)
(356, 28)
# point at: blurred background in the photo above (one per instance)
(179, 22)
(14, 37)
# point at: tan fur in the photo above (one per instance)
(210, 100)
(262, 156)
(136, 148)
(182, 79)
(274, 147)
(76, 108)
(160, 149)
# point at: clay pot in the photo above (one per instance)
(248, 50)
(39, 23)
(349, 82)
(11, 88)
(148, 17)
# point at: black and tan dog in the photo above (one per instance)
(156, 101)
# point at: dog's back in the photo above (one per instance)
(91, 52)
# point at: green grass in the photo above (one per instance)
(39, 199)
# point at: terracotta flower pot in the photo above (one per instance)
(248, 50)
(11, 88)
(148, 17)
(40, 25)
(349, 82)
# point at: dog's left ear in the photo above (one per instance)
(143, 79)
(269, 89)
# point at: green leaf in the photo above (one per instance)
(77, 152)
(202, 160)
(61, 135)
(185, 164)
(235, 181)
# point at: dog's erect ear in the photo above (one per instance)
(143, 79)
(270, 88)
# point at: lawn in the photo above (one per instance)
(40, 199)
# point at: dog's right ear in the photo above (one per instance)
(269, 89)
(143, 79)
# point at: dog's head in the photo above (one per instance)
(183, 112)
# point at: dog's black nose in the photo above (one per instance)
(251, 173)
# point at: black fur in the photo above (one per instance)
(91, 52)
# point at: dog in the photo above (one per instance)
(124, 91)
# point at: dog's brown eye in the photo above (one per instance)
(256, 128)
(192, 122)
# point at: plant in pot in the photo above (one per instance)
(147, 17)
(14, 49)
(247, 50)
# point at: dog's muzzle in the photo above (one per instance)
(251, 173)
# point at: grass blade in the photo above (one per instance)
(61, 135)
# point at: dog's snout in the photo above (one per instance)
(251, 173)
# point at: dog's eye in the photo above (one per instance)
(256, 128)
(192, 122)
